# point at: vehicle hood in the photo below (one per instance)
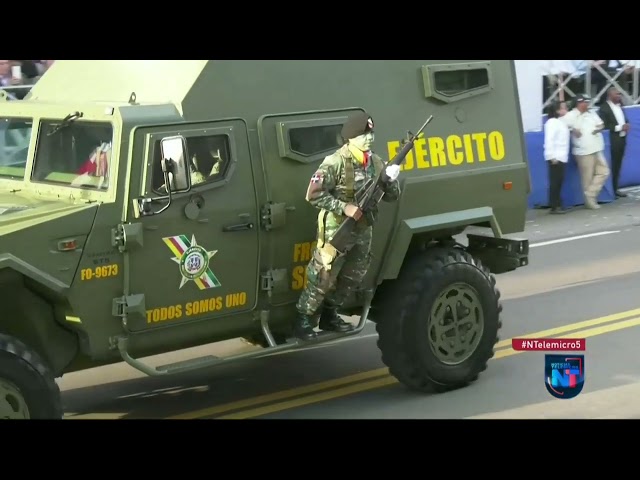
(18, 212)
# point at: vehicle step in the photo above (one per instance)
(291, 344)
(189, 364)
(211, 360)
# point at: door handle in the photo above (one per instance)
(237, 228)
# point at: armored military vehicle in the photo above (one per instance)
(152, 206)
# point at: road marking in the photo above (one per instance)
(589, 332)
(574, 326)
(389, 380)
(317, 398)
(571, 239)
(272, 397)
(330, 384)
(95, 416)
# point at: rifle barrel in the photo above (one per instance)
(424, 126)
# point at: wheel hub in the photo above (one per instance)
(456, 324)
(12, 403)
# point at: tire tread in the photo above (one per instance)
(32, 363)
(408, 289)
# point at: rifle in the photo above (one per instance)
(368, 197)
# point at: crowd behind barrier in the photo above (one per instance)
(562, 80)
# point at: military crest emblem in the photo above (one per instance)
(193, 261)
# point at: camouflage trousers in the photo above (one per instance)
(332, 277)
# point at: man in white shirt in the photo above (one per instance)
(556, 153)
(616, 121)
(588, 148)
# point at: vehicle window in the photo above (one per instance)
(15, 134)
(76, 155)
(209, 157)
(310, 141)
(455, 82)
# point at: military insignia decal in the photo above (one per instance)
(193, 261)
(315, 184)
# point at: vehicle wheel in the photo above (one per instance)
(28, 389)
(441, 322)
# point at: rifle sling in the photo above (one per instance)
(349, 176)
(322, 218)
(349, 179)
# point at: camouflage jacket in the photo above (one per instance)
(329, 190)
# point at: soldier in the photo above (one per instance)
(331, 277)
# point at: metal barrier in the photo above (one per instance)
(631, 97)
(15, 92)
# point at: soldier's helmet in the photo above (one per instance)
(357, 124)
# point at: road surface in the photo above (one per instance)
(583, 282)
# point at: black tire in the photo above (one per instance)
(404, 318)
(25, 371)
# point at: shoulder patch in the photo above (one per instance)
(315, 184)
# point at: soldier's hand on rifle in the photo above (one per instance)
(392, 172)
(353, 211)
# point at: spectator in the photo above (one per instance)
(562, 79)
(588, 149)
(570, 76)
(549, 78)
(578, 77)
(12, 76)
(598, 80)
(616, 121)
(29, 69)
(6, 78)
(42, 66)
(556, 152)
(611, 68)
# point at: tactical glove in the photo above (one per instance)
(392, 172)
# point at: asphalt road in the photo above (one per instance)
(583, 282)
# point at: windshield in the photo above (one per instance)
(15, 134)
(74, 154)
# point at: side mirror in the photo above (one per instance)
(174, 165)
(176, 172)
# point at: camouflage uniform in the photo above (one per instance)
(332, 277)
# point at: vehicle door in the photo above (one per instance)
(199, 258)
(293, 145)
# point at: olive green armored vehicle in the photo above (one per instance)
(153, 206)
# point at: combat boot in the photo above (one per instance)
(330, 321)
(303, 328)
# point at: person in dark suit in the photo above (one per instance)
(615, 120)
